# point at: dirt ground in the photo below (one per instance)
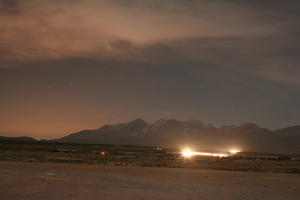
(52, 181)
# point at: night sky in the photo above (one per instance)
(68, 65)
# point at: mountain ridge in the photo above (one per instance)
(22, 138)
(173, 133)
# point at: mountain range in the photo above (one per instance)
(192, 133)
(18, 139)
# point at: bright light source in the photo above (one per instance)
(234, 151)
(187, 153)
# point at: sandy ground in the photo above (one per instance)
(50, 181)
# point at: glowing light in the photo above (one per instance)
(188, 154)
(234, 151)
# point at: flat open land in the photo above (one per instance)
(134, 156)
(58, 181)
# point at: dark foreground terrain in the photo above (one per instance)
(53, 181)
(55, 171)
(137, 156)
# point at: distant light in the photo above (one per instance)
(187, 153)
(234, 151)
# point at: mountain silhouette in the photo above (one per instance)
(174, 133)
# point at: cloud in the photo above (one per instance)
(55, 29)
(254, 37)
(273, 58)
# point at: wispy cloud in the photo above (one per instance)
(50, 29)
(249, 36)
